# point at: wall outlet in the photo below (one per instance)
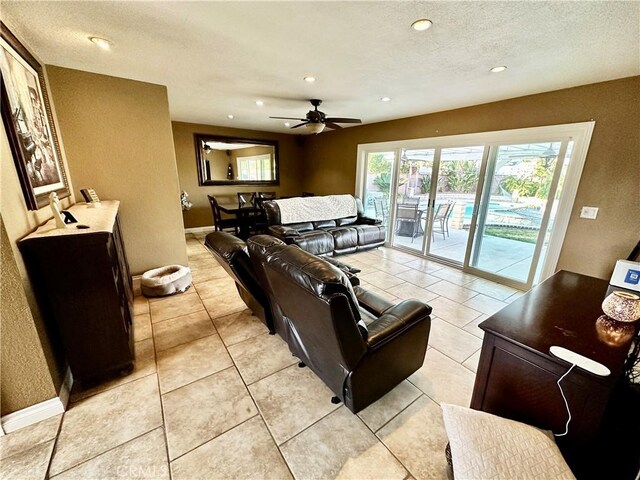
(589, 212)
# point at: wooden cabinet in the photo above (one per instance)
(82, 282)
(517, 375)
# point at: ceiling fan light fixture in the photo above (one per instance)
(314, 127)
(498, 69)
(230, 117)
(103, 43)
(422, 24)
(309, 79)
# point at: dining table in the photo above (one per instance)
(243, 213)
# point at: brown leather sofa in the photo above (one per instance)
(328, 237)
(358, 343)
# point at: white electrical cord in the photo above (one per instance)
(566, 404)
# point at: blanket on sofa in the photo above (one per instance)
(316, 209)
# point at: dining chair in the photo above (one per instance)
(408, 218)
(267, 195)
(219, 223)
(246, 198)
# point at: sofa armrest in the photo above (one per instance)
(283, 232)
(395, 321)
(364, 220)
(372, 302)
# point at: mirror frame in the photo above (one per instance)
(203, 137)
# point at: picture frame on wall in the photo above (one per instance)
(28, 121)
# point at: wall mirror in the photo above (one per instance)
(236, 161)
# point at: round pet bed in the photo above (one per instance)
(167, 280)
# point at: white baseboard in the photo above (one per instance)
(199, 229)
(40, 411)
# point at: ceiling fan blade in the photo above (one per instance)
(290, 118)
(300, 124)
(343, 120)
(335, 126)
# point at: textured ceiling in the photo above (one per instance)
(217, 58)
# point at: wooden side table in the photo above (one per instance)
(517, 375)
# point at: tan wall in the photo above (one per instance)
(118, 140)
(32, 366)
(610, 180)
(200, 214)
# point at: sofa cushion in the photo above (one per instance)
(317, 242)
(344, 238)
(488, 446)
(301, 227)
(346, 221)
(370, 234)
(324, 224)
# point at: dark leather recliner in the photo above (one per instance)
(231, 253)
(328, 237)
(326, 323)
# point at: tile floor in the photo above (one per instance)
(214, 396)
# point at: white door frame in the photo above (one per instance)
(580, 133)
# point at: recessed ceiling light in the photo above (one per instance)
(259, 103)
(499, 69)
(385, 99)
(101, 42)
(422, 24)
(309, 79)
(287, 124)
(230, 117)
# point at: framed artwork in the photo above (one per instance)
(28, 121)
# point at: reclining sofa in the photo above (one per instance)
(358, 343)
(329, 225)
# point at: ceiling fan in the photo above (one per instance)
(316, 120)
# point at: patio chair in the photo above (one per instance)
(382, 210)
(408, 221)
(441, 220)
(219, 223)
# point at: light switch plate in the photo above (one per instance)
(589, 212)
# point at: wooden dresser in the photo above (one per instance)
(82, 282)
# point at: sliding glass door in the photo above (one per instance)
(378, 182)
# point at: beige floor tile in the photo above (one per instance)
(260, 356)
(453, 341)
(218, 287)
(220, 307)
(29, 464)
(474, 328)
(381, 280)
(191, 361)
(484, 304)
(367, 257)
(200, 411)
(239, 326)
(492, 289)
(175, 306)
(184, 329)
(143, 457)
(453, 312)
(195, 248)
(244, 452)
(418, 278)
(426, 266)
(28, 437)
(391, 267)
(104, 421)
(141, 327)
(167, 298)
(444, 380)
(395, 255)
(454, 276)
(201, 262)
(515, 296)
(340, 446)
(144, 364)
(383, 410)
(409, 290)
(417, 438)
(199, 276)
(452, 291)
(472, 362)
(379, 291)
(291, 400)
(140, 305)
